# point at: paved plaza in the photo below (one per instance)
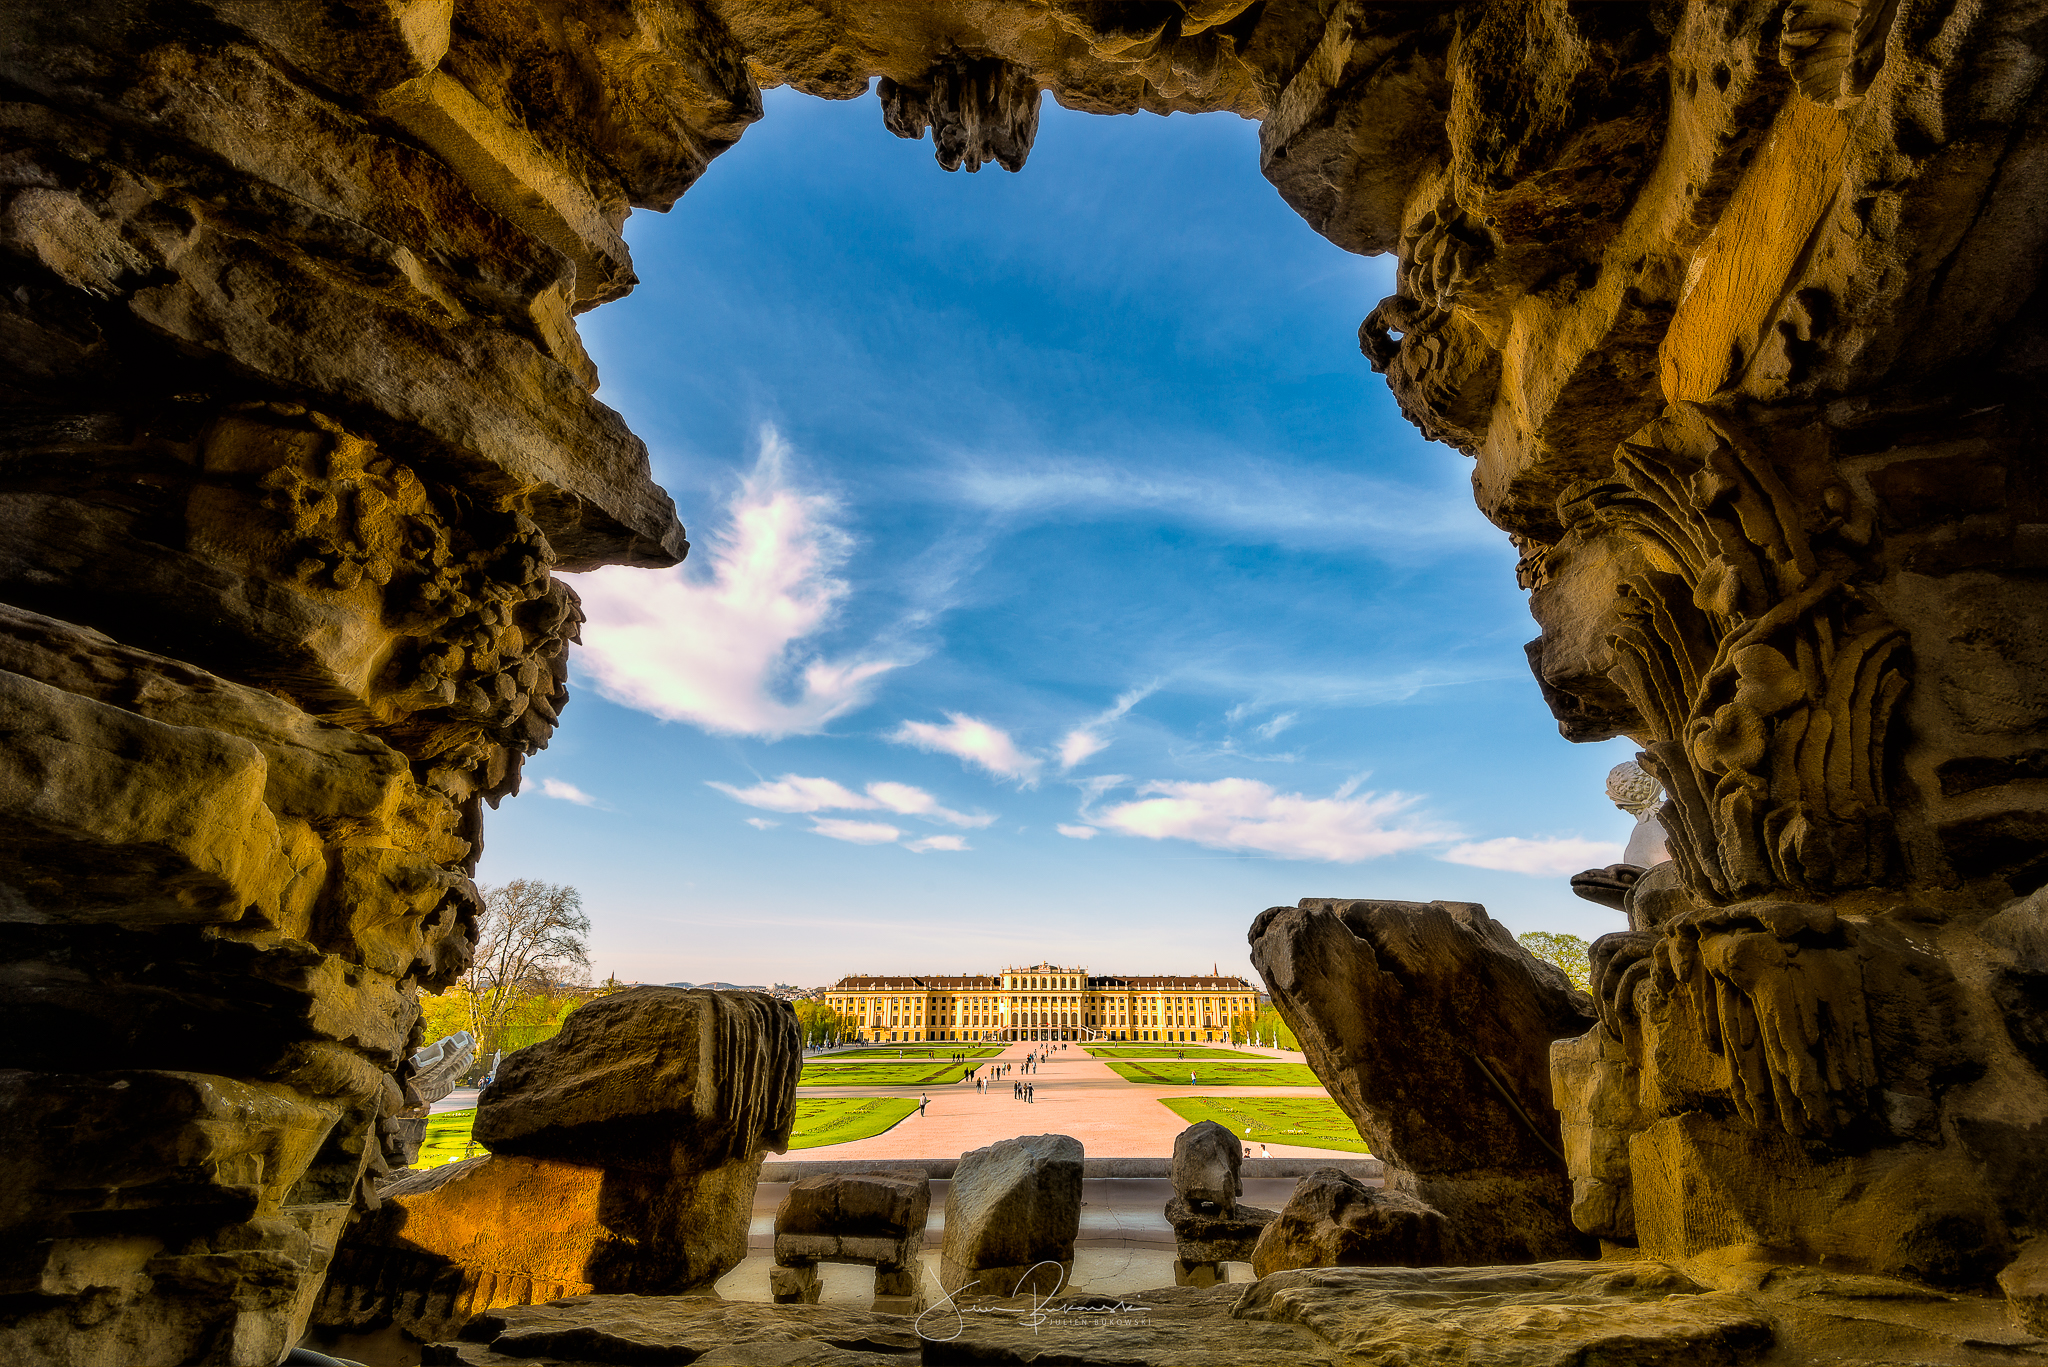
(1074, 1095)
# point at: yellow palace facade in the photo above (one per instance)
(1042, 1002)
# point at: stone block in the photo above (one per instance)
(1560, 1314)
(655, 1201)
(1205, 1166)
(639, 1076)
(1334, 1220)
(1011, 1217)
(1211, 1236)
(1432, 1027)
(794, 1285)
(2025, 1283)
(874, 1218)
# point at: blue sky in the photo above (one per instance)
(1064, 583)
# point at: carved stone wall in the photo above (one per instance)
(294, 432)
(1735, 307)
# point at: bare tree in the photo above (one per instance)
(531, 941)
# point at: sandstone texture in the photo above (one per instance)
(661, 1329)
(1203, 1240)
(1206, 1158)
(624, 1156)
(1334, 1220)
(1542, 1315)
(1431, 1027)
(874, 1219)
(1734, 306)
(1011, 1216)
(1170, 1327)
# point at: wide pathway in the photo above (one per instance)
(1073, 1094)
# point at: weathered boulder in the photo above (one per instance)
(1011, 1216)
(641, 1075)
(1542, 1315)
(1204, 1239)
(2024, 1281)
(1334, 1220)
(625, 1152)
(875, 1219)
(1170, 1327)
(1206, 1158)
(660, 1329)
(1431, 1027)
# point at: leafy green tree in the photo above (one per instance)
(1263, 1026)
(1568, 952)
(821, 1024)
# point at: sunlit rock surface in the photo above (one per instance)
(1431, 1027)
(624, 1156)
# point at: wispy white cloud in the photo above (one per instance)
(762, 823)
(720, 641)
(1552, 858)
(855, 832)
(1244, 814)
(909, 801)
(1258, 500)
(1092, 736)
(975, 742)
(1269, 729)
(1077, 832)
(797, 793)
(953, 843)
(566, 792)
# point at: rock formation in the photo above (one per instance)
(1546, 1315)
(1431, 1027)
(1334, 1220)
(1206, 1158)
(623, 1158)
(873, 1219)
(1205, 1238)
(1011, 1216)
(1209, 1226)
(1734, 305)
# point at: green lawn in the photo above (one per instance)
(842, 1119)
(1312, 1123)
(823, 1120)
(448, 1139)
(1167, 1051)
(908, 1073)
(913, 1051)
(1267, 1074)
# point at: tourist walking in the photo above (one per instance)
(923, 1102)
(1027, 1094)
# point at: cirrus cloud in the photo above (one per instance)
(797, 793)
(1243, 814)
(972, 741)
(566, 792)
(855, 832)
(1092, 736)
(1077, 832)
(1554, 858)
(724, 646)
